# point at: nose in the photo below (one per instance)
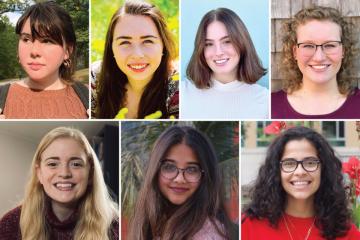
(218, 49)
(319, 54)
(180, 177)
(300, 170)
(137, 51)
(65, 171)
(35, 48)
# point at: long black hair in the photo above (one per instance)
(268, 197)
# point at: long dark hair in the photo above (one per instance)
(268, 198)
(111, 89)
(50, 21)
(155, 216)
(250, 69)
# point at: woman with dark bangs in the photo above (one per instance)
(46, 51)
(135, 80)
(223, 70)
(181, 194)
(299, 192)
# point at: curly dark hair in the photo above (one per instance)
(268, 197)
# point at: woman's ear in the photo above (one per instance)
(68, 52)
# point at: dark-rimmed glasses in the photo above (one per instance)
(191, 174)
(308, 164)
(329, 48)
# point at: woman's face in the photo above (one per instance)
(64, 171)
(137, 47)
(40, 58)
(300, 184)
(319, 68)
(178, 188)
(220, 53)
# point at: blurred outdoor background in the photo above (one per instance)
(103, 10)
(137, 139)
(11, 10)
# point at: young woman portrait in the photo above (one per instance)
(46, 52)
(181, 195)
(299, 192)
(66, 196)
(223, 71)
(135, 76)
(318, 51)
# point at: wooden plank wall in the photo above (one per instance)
(281, 10)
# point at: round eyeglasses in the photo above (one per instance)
(308, 164)
(329, 48)
(191, 174)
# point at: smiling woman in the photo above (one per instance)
(318, 50)
(299, 192)
(66, 197)
(182, 186)
(135, 79)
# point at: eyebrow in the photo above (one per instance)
(25, 34)
(142, 37)
(206, 39)
(58, 158)
(173, 161)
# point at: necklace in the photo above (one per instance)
(288, 229)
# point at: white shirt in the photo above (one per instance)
(235, 100)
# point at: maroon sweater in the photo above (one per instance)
(10, 226)
(281, 108)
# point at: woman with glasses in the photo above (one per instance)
(299, 192)
(181, 194)
(318, 50)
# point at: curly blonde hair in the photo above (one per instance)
(292, 74)
(97, 211)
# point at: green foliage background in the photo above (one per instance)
(102, 11)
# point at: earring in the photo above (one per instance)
(67, 63)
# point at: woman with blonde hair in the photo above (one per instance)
(66, 196)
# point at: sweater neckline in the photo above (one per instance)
(226, 86)
(53, 221)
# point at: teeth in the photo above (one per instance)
(221, 61)
(298, 183)
(138, 66)
(319, 66)
(64, 185)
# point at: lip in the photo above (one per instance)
(138, 67)
(221, 62)
(179, 189)
(64, 186)
(319, 67)
(35, 66)
(300, 184)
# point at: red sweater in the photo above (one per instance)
(10, 226)
(254, 229)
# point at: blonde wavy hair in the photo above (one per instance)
(290, 69)
(97, 211)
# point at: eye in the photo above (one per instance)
(208, 44)
(148, 41)
(168, 167)
(193, 170)
(329, 45)
(308, 46)
(52, 164)
(47, 40)
(25, 38)
(228, 41)
(124, 43)
(289, 163)
(76, 164)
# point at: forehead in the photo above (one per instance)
(135, 26)
(182, 154)
(216, 30)
(63, 146)
(315, 30)
(299, 149)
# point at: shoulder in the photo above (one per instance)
(9, 223)
(353, 233)
(278, 95)
(355, 96)
(115, 230)
(209, 231)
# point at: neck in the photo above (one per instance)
(62, 211)
(137, 86)
(310, 88)
(46, 84)
(225, 78)
(300, 208)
